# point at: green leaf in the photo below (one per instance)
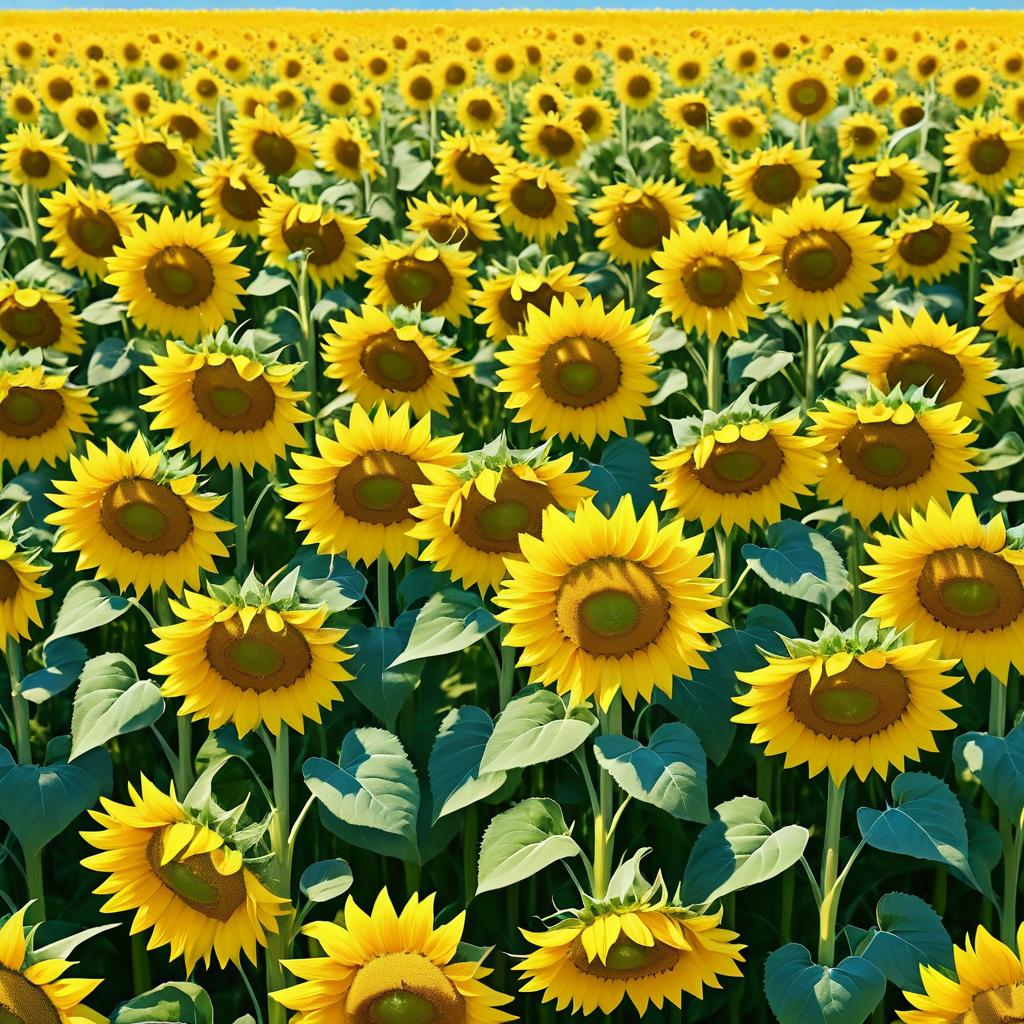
(87, 605)
(110, 360)
(456, 779)
(268, 282)
(450, 621)
(799, 562)
(535, 727)
(671, 772)
(326, 880)
(802, 992)
(625, 468)
(522, 841)
(382, 689)
(103, 312)
(997, 764)
(739, 849)
(671, 381)
(327, 579)
(174, 1002)
(62, 662)
(111, 701)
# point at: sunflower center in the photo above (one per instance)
(275, 152)
(853, 704)
(611, 606)
(87, 118)
(179, 276)
(886, 189)
(580, 371)
(9, 584)
(689, 70)
(644, 223)
(1003, 1005)
(29, 412)
(325, 241)
(695, 114)
(93, 231)
(863, 135)
(816, 260)
(155, 158)
(257, 658)
(378, 487)
(421, 89)
(34, 162)
(712, 281)
(988, 155)
(228, 401)
(589, 118)
(413, 282)
(196, 881)
(60, 89)
(626, 960)
(476, 168)
(1014, 305)
(741, 127)
(447, 230)
(742, 466)
(394, 364)
(21, 1002)
(403, 988)
(340, 94)
(702, 161)
(243, 203)
(24, 105)
(966, 86)
(481, 109)
(145, 516)
(887, 454)
(970, 589)
(911, 114)
(854, 66)
(455, 74)
(494, 526)
(33, 324)
(921, 248)
(807, 96)
(776, 184)
(513, 311)
(347, 153)
(532, 199)
(924, 366)
(556, 141)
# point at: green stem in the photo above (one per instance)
(830, 874)
(279, 945)
(238, 514)
(853, 557)
(972, 289)
(141, 978)
(36, 890)
(184, 772)
(811, 364)
(22, 742)
(383, 591)
(714, 376)
(1008, 834)
(308, 353)
(470, 837)
(624, 129)
(507, 678)
(724, 567)
(611, 725)
(28, 199)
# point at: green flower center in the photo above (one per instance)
(402, 1007)
(846, 706)
(737, 466)
(142, 520)
(626, 955)
(380, 492)
(578, 378)
(610, 612)
(884, 459)
(230, 401)
(255, 657)
(504, 520)
(970, 596)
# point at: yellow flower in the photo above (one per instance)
(697, 158)
(457, 221)
(770, 179)
(742, 127)
(281, 146)
(469, 163)
(804, 93)
(636, 85)
(967, 87)
(31, 158)
(505, 299)
(20, 594)
(985, 151)
(861, 135)
(887, 186)
(233, 193)
(553, 138)
(633, 221)
(480, 109)
(537, 201)
(35, 318)
(1002, 306)
(156, 156)
(927, 248)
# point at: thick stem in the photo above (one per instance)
(19, 706)
(853, 558)
(141, 977)
(724, 568)
(184, 774)
(383, 591)
(972, 289)
(308, 353)
(279, 945)
(611, 725)
(238, 514)
(28, 200)
(811, 364)
(507, 678)
(1007, 832)
(36, 890)
(830, 873)
(714, 376)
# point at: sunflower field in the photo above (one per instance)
(511, 517)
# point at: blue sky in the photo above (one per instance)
(383, 5)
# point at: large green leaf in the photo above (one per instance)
(87, 605)
(456, 779)
(671, 772)
(799, 562)
(62, 662)
(449, 622)
(802, 992)
(377, 684)
(535, 727)
(522, 841)
(625, 469)
(174, 1002)
(326, 880)
(998, 764)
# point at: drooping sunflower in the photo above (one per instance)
(829, 258)
(36, 318)
(356, 497)
(633, 221)
(178, 275)
(578, 370)
(948, 363)
(891, 453)
(927, 248)
(155, 155)
(245, 655)
(457, 221)
(472, 514)
(715, 282)
(431, 275)
(333, 241)
(137, 518)
(226, 402)
(539, 202)
(649, 953)
(37, 990)
(1002, 306)
(770, 179)
(804, 93)
(281, 146)
(233, 192)
(858, 701)
(861, 135)
(987, 151)
(602, 604)
(698, 159)
(391, 966)
(345, 152)
(182, 879)
(31, 158)
(506, 298)
(742, 127)
(949, 577)
(469, 163)
(553, 138)
(20, 592)
(888, 186)
(738, 467)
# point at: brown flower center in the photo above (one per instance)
(863, 136)
(196, 882)
(394, 364)
(816, 260)
(967, 86)
(324, 240)
(702, 161)
(229, 402)
(60, 89)
(924, 366)
(776, 184)
(741, 127)
(145, 516)
(1002, 1005)
(179, 275)
(885, 188)
(887, 454)
(494, 526)
(911, 114)
(741, 466)
(403, 988)
(421, 88)
(29, 412)
(87, 118)
(451, 230)
(9, 582)
(626, 960)
(1013, 303)
(556, 141)
(348, 153)
(853, 704)
(257, 658)
(988, 155)
(31, 326)
(21, 1002)
(970, 589)
(378, 487)
(922, 248)
(243, 203)
(35, 163)
(694, 113)
(808, 96)
(480, 109)
(533, 200)
(476, 168)
(275, 152)
(639, 87)
(579, 371)
(712, 281)
(24, 105)
(643, 224)
(455, 74)
(689, 70)
(340, 94)
(156, 159)
(927, 66)
(514, 311)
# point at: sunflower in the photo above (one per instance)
(858, 701)
(281, 146)
(205, 87)
(457, 73)
(985, 151)
(829, 258)
(740, 467)
(545, 97)
(233, 193)
(356, 497)
(602, 605)
(182, 879)
(457, 221)
(177, 275)
(947, 362)
(502, 65)
(22, 105)
(636, 85)
(20, 594)
(924, 63)
(928, 248)
(853, 64)
(1010, 62)
(688, 67)
(596, 116)
(633, 221)
(31, 158)
(578, 370)
(861, 135)
(378, 66)
(949, 577)
(225, 402)
(137, 518)
(881, 92)
(908, 111)
(1002, 306)
(390, 966)
(804, 93)
(553, 138)
(421, 273)
(32, 318)
(537, 201)
(744, 58)
(248, 99)
(580, 76)
(743, 127)
(697, 158)
(345, 152)
(85, 118)
(687, 110)
(480, 109)
(770, 179)
(506, 298)
(245, 657)
(35, 990)
(41, 414)
(473, 515)
(469, 163)
(967, 87)
(1013, 104)
(336, 92)
(140, 99)
(154, 155)
(988, 987)
(888, 186)
(420, 87)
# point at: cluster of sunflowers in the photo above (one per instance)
(472, 429)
